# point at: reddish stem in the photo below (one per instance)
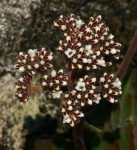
(35, 89)
(128, 57)
(78, 136)
(77, 129)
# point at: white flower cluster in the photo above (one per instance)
(85, 93)
(87, 48)
(87, 45)
(54, 82)
(34, 61)
(71, 115)
(23, 88)
(111, 87)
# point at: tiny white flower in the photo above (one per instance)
(113, 51)
(19, 95)
(88, 29)
(24, 87)
(91, 91)
(66, 119)
(80, 86)
(63, 27)
(55, 24)
(86, 96)
(85, 60)
(89, 101)
(79, 44)
(53, 73)
(70, 108)
(64, 83)
(79, 23)
(89, 61)
(97, 99)
(60, 71)
(51, 83)
(74, 60)
(79, 66)
(50, 57)
(32, 52)
(112, 100)
(21, 79)
(95, 41)
(110, 91)
(107, 44)
(24, 61)
(97, 29)
(70, 52)
(63, 110)
(105, 95)
(94, 67)
(72, 123)
(78, 96)
(82, 104)
(101, 62)
(45, 77)
(73, 92)
(44, 83)
(17, 86)
(68, 38)
(111, 36)
(29, 67)
(42, 62)
(21, 53)
(77, 112)
(21, 69)
(106, 85)
(93, 79)
(117, 83)
(56, 94)
(69, 102)
(81, 115)
(89, 50)
(36, 66)
(102, 79)
(57, 81)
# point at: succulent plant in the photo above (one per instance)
(87, 47)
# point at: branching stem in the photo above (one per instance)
(78, 136)
(128, 57)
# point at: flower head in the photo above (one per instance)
(111, 87)
(23, 88)
(54, 82)
(34, 62)
(87, 45)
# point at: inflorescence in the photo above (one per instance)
(87, 47)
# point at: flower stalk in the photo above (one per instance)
(78, 136)
(128, 58)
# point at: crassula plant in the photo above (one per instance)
(89, 49)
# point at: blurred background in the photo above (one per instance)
(28, 24)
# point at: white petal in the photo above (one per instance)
(21, 69)
(32, 52)
(90, 102)
(53, 73)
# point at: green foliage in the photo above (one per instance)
(119, 130)
(124, 115)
